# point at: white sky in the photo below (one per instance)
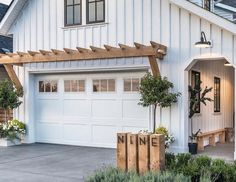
(5, 1)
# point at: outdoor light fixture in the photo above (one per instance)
(203, 42)
(228, 64)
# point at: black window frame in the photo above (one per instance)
(217, 94)
(194, 76)
(87, 12)
(65, 13)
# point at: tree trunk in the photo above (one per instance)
(154, 118)
(5, 115)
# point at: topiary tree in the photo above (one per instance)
(9, 97)
(156, 91)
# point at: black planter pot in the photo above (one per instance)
(192, 148)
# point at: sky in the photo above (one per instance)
(5, 1)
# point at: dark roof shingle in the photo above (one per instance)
(229, 2)
(3, 10)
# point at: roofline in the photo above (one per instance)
(224, 6)
(207, 15)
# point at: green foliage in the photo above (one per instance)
(156, 92)
(195, 100)
(169, 139)
(9, 97)
(115, 175)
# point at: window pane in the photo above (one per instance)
(104, 85)
(100, 13)
(77, 1)
(96, 86)
(127, 85)
(69, 2)
(91, 12)
(69, 18)
(111, 85)
(82, 86)
(135, 85)
(47, 86)
(54, 86)
(216, 94)
(77, 14)
(41, 86)
(74, 86)
(67, 85)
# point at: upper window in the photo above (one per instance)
(104, 85)
(131, 85)
(73, 12)
(196, 82)
(95, 11)
(216, 94)
(207, 4)
(48, 86)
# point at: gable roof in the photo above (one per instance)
(3, 10)
(207, 15)
(6, 44)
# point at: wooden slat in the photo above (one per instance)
(22, 53)
(138, 46)
(122, 151)
(33, 53)
(124, 47)
(83, 50)
(44, 52)
(12, 75)
(132, 145)
(97, 49)
(11, 54)
(154, 66)
(55, 51)
(70, 51)
(110, 48)
(143, 153)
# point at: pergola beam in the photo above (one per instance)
(12, 75)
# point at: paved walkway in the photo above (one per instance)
(221, 151)
(52, 163)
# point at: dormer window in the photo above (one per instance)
(73, 12)
(95, 11)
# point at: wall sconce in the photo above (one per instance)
(203, 42)
(227, 64)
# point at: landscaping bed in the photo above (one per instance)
(179, 168)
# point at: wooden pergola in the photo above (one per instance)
(153, 51)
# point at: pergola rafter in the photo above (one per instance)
(153, 51)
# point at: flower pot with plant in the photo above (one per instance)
(196, 97)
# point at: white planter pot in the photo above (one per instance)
(7, 143)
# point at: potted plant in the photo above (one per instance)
(196, 97)
(155, 91)
(12, 132)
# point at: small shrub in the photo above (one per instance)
(170, 161)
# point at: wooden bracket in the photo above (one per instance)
(12, 75)
(154, 66)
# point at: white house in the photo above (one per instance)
(86, 102)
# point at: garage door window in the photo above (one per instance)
(131, 85)
(48, 86)
(104, 85)
(74, 85)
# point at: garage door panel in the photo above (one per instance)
(76, 108)
(133, 129)
(106, 109)
(100, 134)
(131, 109)
(49, 132)
(48, 109)
(81, 133)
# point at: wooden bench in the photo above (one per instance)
(211, 137)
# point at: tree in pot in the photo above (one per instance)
(9, 97)
(156, 91)
(196, 97)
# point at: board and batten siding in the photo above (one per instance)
(41, 26)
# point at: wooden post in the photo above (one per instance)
(157, 152)
(122, 151)
(212, 141)
(200, 144)
(143, 153)
(132, 152)
(222, 137)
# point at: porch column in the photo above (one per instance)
(234, 113)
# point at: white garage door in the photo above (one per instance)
(88, 109)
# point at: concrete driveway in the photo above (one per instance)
(52, 163)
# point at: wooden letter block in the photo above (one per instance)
(143, 153)
(122, 151)
(132, 152)
(157, 152)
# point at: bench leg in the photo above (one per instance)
(200, 144)
(212, 141)
(222, 137)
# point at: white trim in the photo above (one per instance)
(207, 15)
(224, 6)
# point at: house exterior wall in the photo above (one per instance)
(41, 26)
(207, 119)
